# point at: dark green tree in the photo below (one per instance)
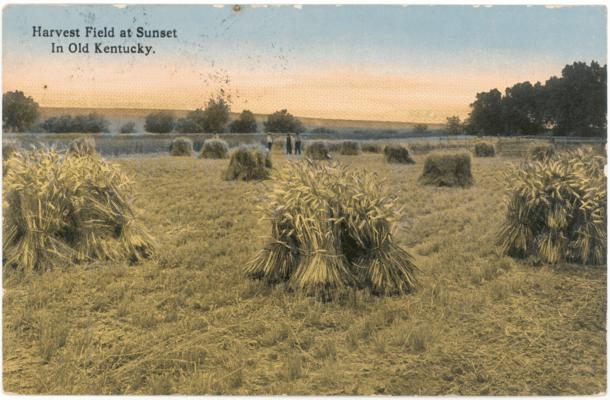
(246, 123)
(19, 112)
(159, 122)
(454, 126)
(283, 122)
(486, 114)
(576, 102)
(215, 116)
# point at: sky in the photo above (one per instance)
(387, 63)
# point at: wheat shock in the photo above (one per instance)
(139, 48)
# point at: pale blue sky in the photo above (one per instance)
(525, 41)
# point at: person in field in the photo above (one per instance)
(297, 144)
(289, 144)
(269, 141)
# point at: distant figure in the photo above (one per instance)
(297, 144)
(288, 144)
(269, 141)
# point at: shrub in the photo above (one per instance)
(246, 123)
(283, 122)
(317, 151)
(84, 146)
(187, 125)
(90, 123)
(129, 127)
(214, 148)
(484, 150)
(181, 147)
(395, 153)
(349, 148)
(64, 209)
(447, 170)
(19, 112)
(331, 228)
(556, 209)
(159, 122)
(333, 147)
(371, 147)
(249, 163)
(8, 150)
(540, 152)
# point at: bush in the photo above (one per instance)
(181, 147)
(63, 209)
(246, 123)
(556, 209)
(540, 152)
(447, 170)
(395, 153)
(18, 111)
(349, 148)
(484, 150)
(187, 125)
(334, 147)
(331, 229)
(84, 146)
(90, 123)
(317, 151)
(371, 147)
(8, 150)
(159, 122)
(249, 163)
(129, 127)
(283, 122)
(215, 149)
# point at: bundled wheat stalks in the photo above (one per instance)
(68, 208)
(331, 229)
(556, 209)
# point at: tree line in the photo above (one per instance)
(573, 104)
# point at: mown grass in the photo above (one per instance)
(190, 323)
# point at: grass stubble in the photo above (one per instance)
(189, 323)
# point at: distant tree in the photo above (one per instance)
(420, 128)
(246, 123)
(521, 112)
(90, 123)
(129, 127)
(159, 122)
(187, 125)
(576, 102)
(454, 126)
(18, 111)
(486, 114)
(283, 122)
(216, 115)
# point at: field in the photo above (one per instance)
(189, 322)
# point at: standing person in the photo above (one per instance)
(288, 144)
(297, 144)
(269, 141)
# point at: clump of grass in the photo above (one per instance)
(484, 150)
(8, 150)
(371, 147)
(349, 148)
(540, 152)
(317, 151)
(332, 228)
(215, 149)
(249, 163)
(61, 208)
(395, 153)
(556, 209)
(441, 169)
(334, 147)
(84, 146)
(181, 147)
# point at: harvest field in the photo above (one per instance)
(188, 321)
